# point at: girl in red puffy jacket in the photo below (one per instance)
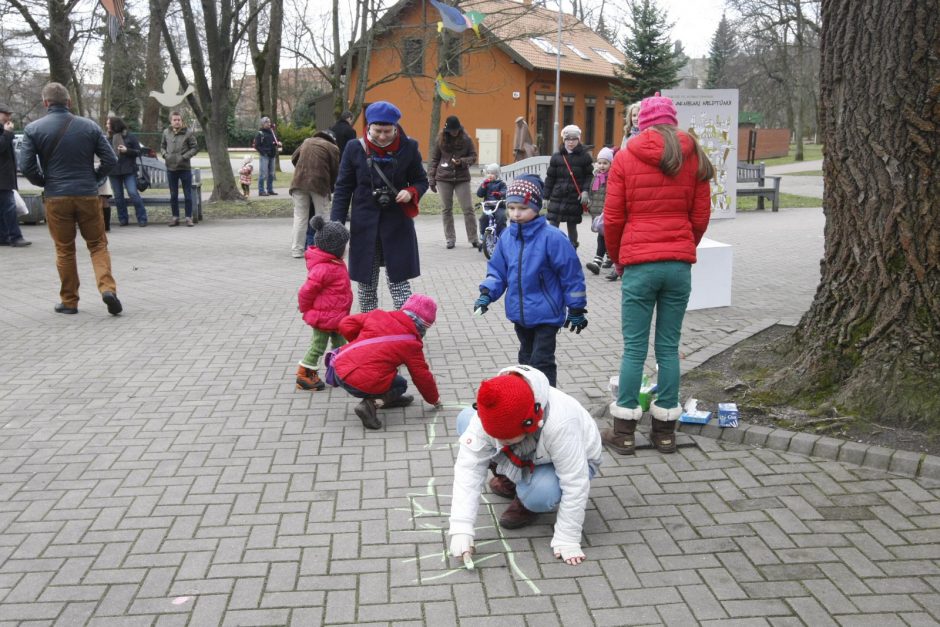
(325, 297)
(655, 214)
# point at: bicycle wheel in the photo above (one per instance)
(489, 242)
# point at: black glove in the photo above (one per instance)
(433, 187)
(482, 304)
(576, 320)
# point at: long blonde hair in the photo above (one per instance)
(671, 161)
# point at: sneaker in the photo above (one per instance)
(594, 266)
(477, 245)
(501, 485)
(189, 222)
(62, 309)
(608, 263)
(111, 300)
(141, 224)
(450, 245)
(262, 193)
(296, 255)
(20, 243)
(272, 193)
(172, 222)
(516, 516)
(366, 411)
(308, 379)
(613, 276)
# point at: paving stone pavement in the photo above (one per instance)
(159, 468)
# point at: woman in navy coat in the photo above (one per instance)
(381, 227)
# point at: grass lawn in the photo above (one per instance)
(787, 201)
(807, 173)
(811, 152)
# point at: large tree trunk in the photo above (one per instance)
(155, 73)
(871, 339)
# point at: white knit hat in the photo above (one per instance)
(571, 129)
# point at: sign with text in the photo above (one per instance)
(712, 116)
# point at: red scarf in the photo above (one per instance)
(383, 152)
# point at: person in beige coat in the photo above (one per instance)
(316, 166)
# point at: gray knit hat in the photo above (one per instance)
(330, 237)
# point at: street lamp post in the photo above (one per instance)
(557, 133)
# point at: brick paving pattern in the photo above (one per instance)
(160, 468)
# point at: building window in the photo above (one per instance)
(609, 124)
(544, 45)
(451, 62)
(578, 52)
(607, 56)
(412, 61)
(567, 111)
(590, 110)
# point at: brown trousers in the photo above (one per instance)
(63, 213)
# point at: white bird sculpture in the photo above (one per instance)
(168, 97)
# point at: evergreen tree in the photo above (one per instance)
(653, 63)
(603, 30)
(723, 49)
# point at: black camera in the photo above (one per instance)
(384, 197)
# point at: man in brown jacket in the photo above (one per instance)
(316, 165)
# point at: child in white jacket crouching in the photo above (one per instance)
(543, 448)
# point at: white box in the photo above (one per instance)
(711, 276)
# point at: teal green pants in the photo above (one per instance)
(318, 347)
(665, 286)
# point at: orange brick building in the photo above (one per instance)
(506, 73)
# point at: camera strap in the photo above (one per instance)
(372, 164)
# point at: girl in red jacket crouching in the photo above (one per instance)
(325, 297)
(655, 214)
(379, 342)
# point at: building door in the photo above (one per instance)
(544, 122)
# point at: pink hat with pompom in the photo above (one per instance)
(657, 110)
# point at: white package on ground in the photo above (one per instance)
(711, 275)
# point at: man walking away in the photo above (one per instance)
(58, 152)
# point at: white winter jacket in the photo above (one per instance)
(569, 440)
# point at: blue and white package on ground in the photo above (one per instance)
(727, 415)
(691, 414)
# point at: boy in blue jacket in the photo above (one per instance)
(538, 269)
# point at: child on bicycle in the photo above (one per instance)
(493, 188)
(540, 273)
(598, 194)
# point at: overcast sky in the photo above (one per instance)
(696, 21)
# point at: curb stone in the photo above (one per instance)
(895, 461)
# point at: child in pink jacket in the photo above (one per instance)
(325, 298)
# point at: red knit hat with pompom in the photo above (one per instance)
(507, 407)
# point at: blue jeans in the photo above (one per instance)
(266, 172)
(173, 179)
(665, 285)
(118, 183)
(542, 493)
(399, 385)
(9, 224)
(537, 348)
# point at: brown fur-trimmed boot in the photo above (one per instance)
(308, 379)
(516, 516)
(663, 432)
(501, 485)
(621, 438)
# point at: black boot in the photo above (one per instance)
(402, 400)
(367, 414)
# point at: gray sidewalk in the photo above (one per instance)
(159, 468)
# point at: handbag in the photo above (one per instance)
(21, 208)
(597, 224)
(331, 377)
(143, 179)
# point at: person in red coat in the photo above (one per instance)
(655, 214)
(379, 343)
(325, 297)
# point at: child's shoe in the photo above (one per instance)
(516, 516)
(403, 400)
(501, 485)
(608, 262)
(613, 276)
(595, 265)
(307, 379)
(366, 410)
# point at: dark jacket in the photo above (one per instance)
(564, 200)
(316, 165)
(344, 133)
(177, 148)
(447, 148)
(265, 143)
(7, 161)
(127, 161)
(492, 190)
(369, 222)
(71, 170)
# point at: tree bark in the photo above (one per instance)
(155, 74)
(871, 339)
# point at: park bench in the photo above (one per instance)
(532, 165)
(156, 169)
(748, 173)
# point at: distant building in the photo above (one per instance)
(508, 73)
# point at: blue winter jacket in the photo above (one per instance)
(538, 269)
